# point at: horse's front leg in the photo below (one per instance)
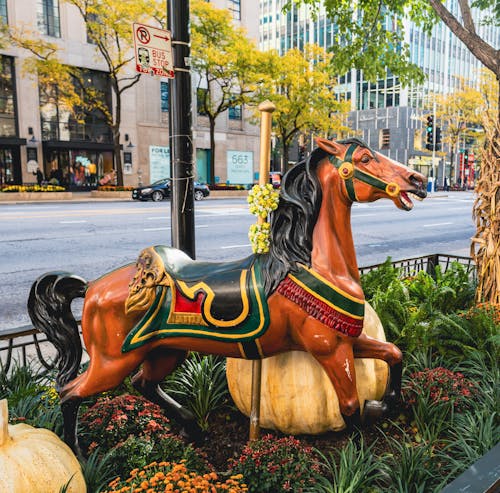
(334, 353)
(368, 347)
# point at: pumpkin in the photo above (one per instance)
(297, 396)
(35, 460)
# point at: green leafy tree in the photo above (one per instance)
(109, 31)
(225, 61)
(371, 37)
(301, 85)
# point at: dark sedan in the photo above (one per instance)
(160, 190)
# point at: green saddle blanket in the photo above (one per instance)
(185, 298)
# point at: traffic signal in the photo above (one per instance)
(429, 132)
(438, 139)
(466, 158)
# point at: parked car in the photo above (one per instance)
(160, 190)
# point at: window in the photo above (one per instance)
(3, 12)
(48, 17)
(235, 8)
(164, 96)
(385, 138)
(235, 112)
(59, 122)
(201, 96)
(7, 97)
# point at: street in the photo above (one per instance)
(92, 238)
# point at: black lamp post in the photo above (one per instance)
(180, 131)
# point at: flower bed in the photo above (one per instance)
(449, 418)
(32, 188)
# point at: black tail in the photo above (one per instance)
(49, 307)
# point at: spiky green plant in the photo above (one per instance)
(351, 469)
(98, 471)
(200, 384)
(410, 467)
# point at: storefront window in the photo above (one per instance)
(7, 107)
(7, 175)
(79, 169)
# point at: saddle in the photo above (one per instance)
(222, 301)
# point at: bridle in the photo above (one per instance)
(347, 171)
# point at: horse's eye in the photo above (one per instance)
(365, 158)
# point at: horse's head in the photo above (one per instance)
(369, 175)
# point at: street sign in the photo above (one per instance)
(153, 51)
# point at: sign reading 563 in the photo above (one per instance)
(153, 51)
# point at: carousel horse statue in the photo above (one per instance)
(304, 294)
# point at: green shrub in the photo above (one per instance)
(351, 469)
(200, 384)
(138, 452)
(272, 465)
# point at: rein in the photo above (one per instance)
(348, 172)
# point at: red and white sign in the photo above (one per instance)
(153, 51)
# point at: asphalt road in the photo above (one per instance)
(92, 238)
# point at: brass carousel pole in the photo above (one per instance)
(266, 109)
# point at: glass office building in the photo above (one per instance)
(384, 111)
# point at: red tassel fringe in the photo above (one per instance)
(327, 315)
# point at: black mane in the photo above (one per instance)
(292, 223)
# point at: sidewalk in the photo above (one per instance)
(89, 196)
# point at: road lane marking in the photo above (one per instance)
(435, 224)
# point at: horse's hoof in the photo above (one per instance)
(373, 411)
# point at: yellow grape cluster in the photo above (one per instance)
(262, 200)
(259, 236)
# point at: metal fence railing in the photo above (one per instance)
(26, 345)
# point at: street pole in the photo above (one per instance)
(180, 129)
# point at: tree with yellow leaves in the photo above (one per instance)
(109, 31)
(456, 113)
(225, 63)
(301, 85)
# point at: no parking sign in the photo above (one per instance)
(153, 50)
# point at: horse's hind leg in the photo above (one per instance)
(367, 347)
(102, 374)
(158, 364)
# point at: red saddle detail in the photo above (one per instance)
(185, 305)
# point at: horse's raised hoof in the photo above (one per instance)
(373, 411)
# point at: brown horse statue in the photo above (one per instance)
(304, 294)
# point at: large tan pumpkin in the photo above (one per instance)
(35, 460)
(296, 396)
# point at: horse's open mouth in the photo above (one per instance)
(405, 200)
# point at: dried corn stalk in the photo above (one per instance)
(485, 247)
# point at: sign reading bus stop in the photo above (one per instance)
(153, 51)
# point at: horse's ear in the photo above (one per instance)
(329, 146)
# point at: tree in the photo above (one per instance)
(301, 85)
(226, 63)
(366, 42)
(109, 30)
(455, 113)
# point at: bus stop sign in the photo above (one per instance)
(153, 51)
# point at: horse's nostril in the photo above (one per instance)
(416, 181)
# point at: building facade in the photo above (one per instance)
(37, 131)
(386, 115)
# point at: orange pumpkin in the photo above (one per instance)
(296, 395)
